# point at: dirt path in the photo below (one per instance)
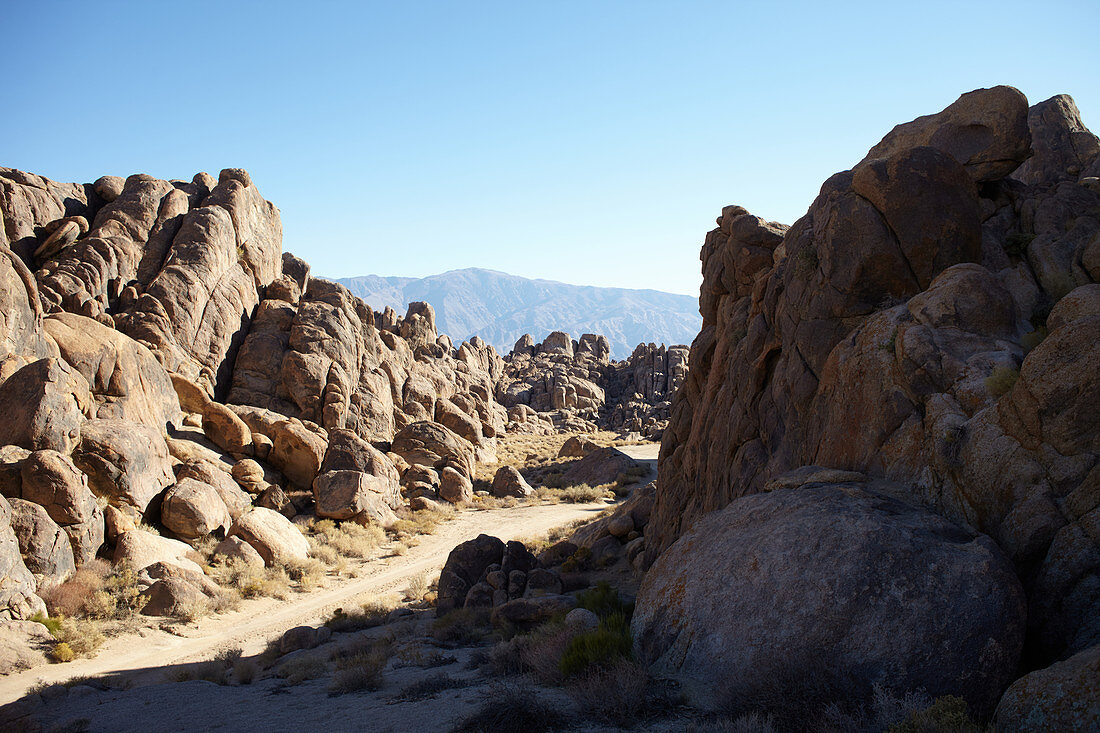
(256, 621)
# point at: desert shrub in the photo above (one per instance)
(537, 653)
(122, 585)
(632, 475)
(62, 652)
(620, 694)
(216, 670)
(749, 723)
(806, 261)
(601, 649)
(371, 614)
(947, 714)
(359, 669)
(512, 709)
(252, 582)
(1001, 380)
(418, 587)
(415, 656)
(245, 671)
(583, 494)
(429, 687)
(325, 553)
(1032, 339)
(604, 601)
(308, 573)
(399, 549)
(299, 669)
(70, 598)
(462, 626)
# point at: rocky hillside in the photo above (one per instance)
(895, 405)
(500, 308)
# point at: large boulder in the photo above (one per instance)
(985, 130)
(126, 380)
(599, 467)
(54, 481)
(508, 481)
(44, 405)
(355, 495)
(128, 463)
(1065, 696)
(138, 549)
(454, 487)
(297, 451)
(465, 566)
(1062, 147)
(833, 580)
(272, 535)
(192, 509)
(430, 444)
(23, 645)
(45, 547)
(17, 584)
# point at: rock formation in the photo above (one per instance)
(933, 321)
(574, 385)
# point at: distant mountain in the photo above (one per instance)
(500, 308)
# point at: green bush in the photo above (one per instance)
(1016, 243)
(602, 648)
(1001, 380)
(947, 714)
(604, 601)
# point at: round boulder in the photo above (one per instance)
(509, 482)
(832, 582)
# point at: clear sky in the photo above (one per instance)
(590, 142)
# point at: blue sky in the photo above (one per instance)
(589, 142)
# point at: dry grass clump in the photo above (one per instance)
(301, 668)
(360, 667)
(308, 573)
(585, 494)
(74, 637)
(429, 687)
(370, 614)
(1001, 380)
(252, 582)
(536, 653)
(96, 590)
(462, 626)
(419, 585)
(218, 670)
(346, 539)
(619, 694)
(422, 522)
(632, 475)
(513, 709)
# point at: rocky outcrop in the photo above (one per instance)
(1063, 696)
(578, 387)
(762, 587)
(901, 328)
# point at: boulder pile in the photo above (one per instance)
(573, 385)
(922, 351)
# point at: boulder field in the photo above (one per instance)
(882, 463)
(164, 361)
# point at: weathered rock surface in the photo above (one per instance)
(465, 566)
(128, 463)
(271, 534)
(139, 549)
(46, 549)
(509, 482)
(193, 509)
(52, 480)
(44, 404)
(901, 329)
(1064, 696)
(23, 645)
(761, 587)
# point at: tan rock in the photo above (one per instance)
(271, 534)
(44, 403)
(192, 509)
(139, 549)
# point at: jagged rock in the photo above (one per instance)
(192, 509)
(1064, 696)
(707, 607)
(126, 381)
(53, 481)
(46, 549)
(1062, 147)
(466, 565)
(913, 356)
(128, 463)
(44, 406)
(138, 549)
(271, 534)
(509, 482)
(17, 584)
(236, 501)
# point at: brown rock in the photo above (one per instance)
(44, 404)
(53, 481)
(226, 430)
(433, 445)
(297, 452)
(454, 487)
(234, 548)
(236, 501)
(45, 547)
(139, 549)
(1063, 696)
(126, 462)
(272, 535)
(509, 482)
(192, 509)
(466, 565)
(17, 591)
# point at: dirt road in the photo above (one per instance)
(258, 620)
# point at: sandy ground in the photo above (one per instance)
(258, 620)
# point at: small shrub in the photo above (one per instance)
(429, 687)
(302, 668)
(415, 656)
(806, 261)
(347, 538)
(308, 574)
(620, 694)
(370, 615)
(360, 671)
(946, 714)
(1001, 380)
(462, 626)
(70, 598)
(81, 636)
(1033, 338)
(216, 670)
(418, 587)
(604, 601)
(512, 709)
(583, 494)
(325, 553)
(62, 652)
(245, 671)
(537, 653)
(602, 648)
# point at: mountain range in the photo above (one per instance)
(500, 308)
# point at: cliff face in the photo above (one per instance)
(933, 320)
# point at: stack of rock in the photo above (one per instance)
(574, 386)
(910, 374)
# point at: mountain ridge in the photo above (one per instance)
(501, 307)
